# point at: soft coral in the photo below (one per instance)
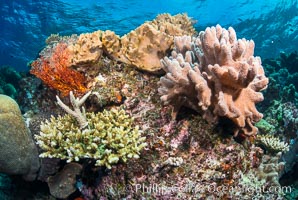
(54, 71)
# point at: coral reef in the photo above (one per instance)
(261, 179)
(217, 74)
(280, 110)
(270, 168)
(183, 159)
(265, 127)
(280, 119)
(18, 155)
(283, 76)
(210, 163)
(147, 44)
(107, 137)
(88, 152)
(283, 116)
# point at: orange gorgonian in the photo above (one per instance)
(55, 72)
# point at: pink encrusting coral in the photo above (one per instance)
(216, 74)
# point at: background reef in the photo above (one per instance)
(180, 152)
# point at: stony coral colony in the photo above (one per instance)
(134, 108)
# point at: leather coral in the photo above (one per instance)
(215, 74)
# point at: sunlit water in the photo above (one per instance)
(25, 24)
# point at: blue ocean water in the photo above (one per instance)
(25, 24)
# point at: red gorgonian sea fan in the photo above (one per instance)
(55, 72)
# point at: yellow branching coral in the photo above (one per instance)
(110, 137)
(272, 144)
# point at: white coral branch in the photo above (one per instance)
(76, 104)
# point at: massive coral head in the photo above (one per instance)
(53, 69)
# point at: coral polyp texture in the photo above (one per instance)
(108, 138)
(215, 74)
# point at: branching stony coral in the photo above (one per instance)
(109, 138)
(76, 103)
(272, 144)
